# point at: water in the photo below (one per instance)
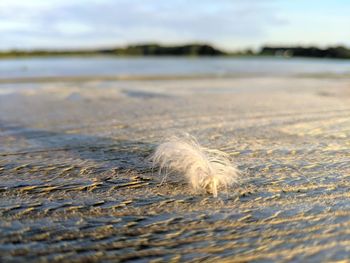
(167, 66)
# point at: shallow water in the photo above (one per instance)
(168, 66)
(76, 184)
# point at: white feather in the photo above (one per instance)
(203, 168)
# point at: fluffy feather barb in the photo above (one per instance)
(203, 168)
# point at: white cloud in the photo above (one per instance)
(227, 23)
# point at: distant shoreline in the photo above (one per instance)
(190, 50)
(51, 79)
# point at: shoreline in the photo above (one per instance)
(49, 79)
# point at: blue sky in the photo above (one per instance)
(228, 24)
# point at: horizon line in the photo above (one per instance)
(160, 44)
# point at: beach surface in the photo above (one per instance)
(76, 183)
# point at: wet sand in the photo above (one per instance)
(76, 185)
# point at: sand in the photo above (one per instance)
(76, 184)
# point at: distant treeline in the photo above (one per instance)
(132, 50)
(331, 52)
(187, 50)
(157, 50)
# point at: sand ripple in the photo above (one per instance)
(76, 185)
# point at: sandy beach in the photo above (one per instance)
(76, 183)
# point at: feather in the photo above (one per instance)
(203, 168)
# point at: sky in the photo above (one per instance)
(227, 24)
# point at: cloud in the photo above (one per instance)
(64, 23)
(226, 23)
